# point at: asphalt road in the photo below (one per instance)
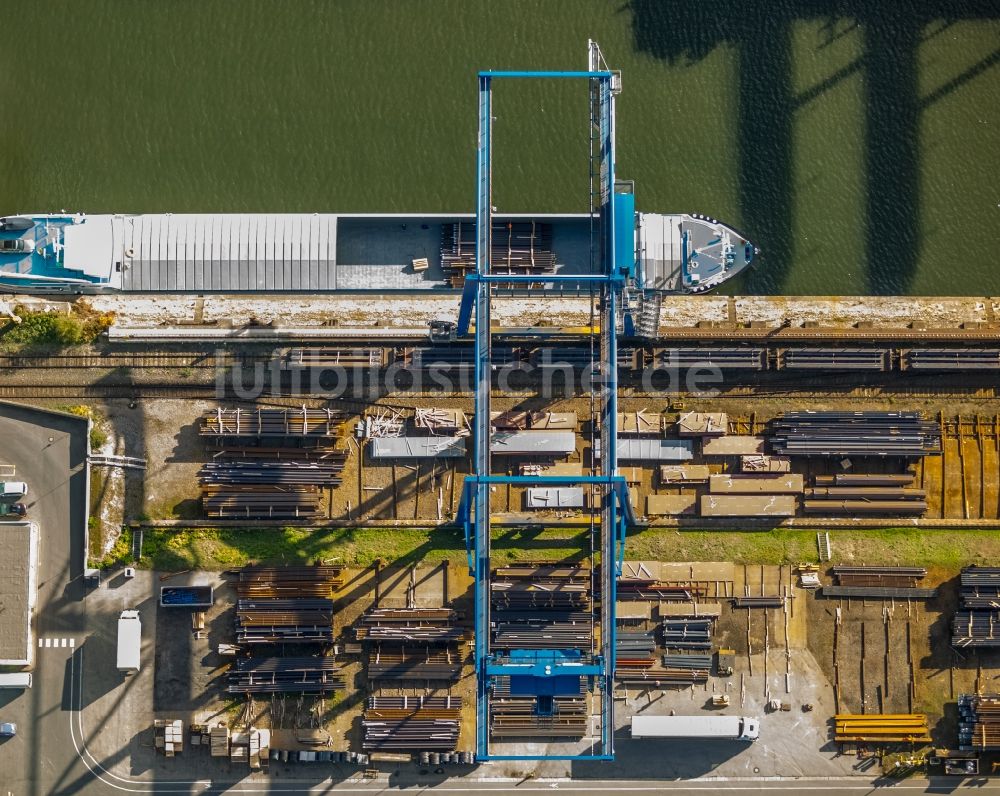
(49, 452)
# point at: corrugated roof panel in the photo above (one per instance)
(656, 450)
(417, 447)
(533, 443)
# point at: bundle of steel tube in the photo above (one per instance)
(976, 628)
(325, 474)
(763, 601)
(517, 247)
(864, 479)
(898, 507)
(978, 624)
(687, 633)
(303, 581)
(894, 577)
(415, 663)
(880, 592)
(979, 722)
(658, 677)
(427, 634)
(260, 501)
(518, 717)
(302, 621)
(811, 433)
(319, 675)
(409, 734)
(300, 422)
(408, 616)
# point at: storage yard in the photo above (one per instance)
(297, 646)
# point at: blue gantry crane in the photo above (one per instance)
(549, 673)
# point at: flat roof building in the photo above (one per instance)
(19, 552)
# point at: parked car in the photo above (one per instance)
(16, 246)
(8, 729)
(12, 510)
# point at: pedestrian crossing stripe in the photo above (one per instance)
(56, 642)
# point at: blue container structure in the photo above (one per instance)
(186, 596)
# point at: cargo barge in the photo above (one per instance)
(328, 253)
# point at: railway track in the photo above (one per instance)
(152, 361)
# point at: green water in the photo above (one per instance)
(862, 154)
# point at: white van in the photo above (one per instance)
(11, 490)
(15, 680)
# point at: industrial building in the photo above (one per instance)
(19, 552)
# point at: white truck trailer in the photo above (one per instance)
(129, 642)
(723, 728)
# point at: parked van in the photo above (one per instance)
(129, 642)
(15, 680)
(12, 490)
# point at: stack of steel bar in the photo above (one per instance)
(261, 501)
(730, 357)
(401, 723)
(336, 357)
(518, 247)
(260, 581)
(835, 358)
(294, 455)
(759, 601)
(952, 359)
(325, 474)
(426, 625)
(980, 587)
(301, 422)
(810, 433)
(879, 583)
(518, 717)
(413, 662)
(633, 651)
(526, 587)
(977, 623)
(275, 621)
(635, 589)
(979, 722)
(687, 633)
(284, 675)
(541, 607)
(881, 728)
(864, 493)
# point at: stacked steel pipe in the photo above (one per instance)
(865, 493)
(518, 717)
(428, 625)
(261, 581)
(693, 633)
(405, 724)
(541, 607)
(284, 675)
(979, 722)
(414, 662)
(270, 463)
(518, 247)
(277, 621)
(879, 583)
(977, 622)
(810, 433)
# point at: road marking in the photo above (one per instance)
(56, 643)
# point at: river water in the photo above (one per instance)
(861, 153)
